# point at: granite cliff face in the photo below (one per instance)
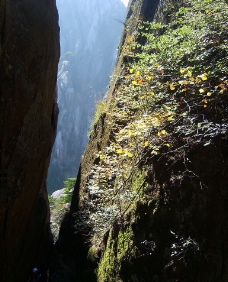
(29, 53)
(150, 201)
(90, 33)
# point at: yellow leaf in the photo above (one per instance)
(201, 90)
(146, 144)
(209, 93)
(131, 70)
(149, 77)
(152, 93)
(182, 82)
(204, 105)
(137, 73)
(101, 157)
(170, 118)
(119, 151)
(204, 76)
(204, 101)
(163, 132)
(139, 82)
(182, 71)
(172, 87)
(198, 80)
(189, 73)
(103, 181)
(134, 82)
(130, 155)
(107, 174)
(126, 76)
(221, 91)
(168, 145)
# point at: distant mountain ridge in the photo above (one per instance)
(90, 32)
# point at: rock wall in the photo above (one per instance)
(150, 201)
(90, 33)
(170, 212)
(29, 53)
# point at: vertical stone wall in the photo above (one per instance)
(29, 53)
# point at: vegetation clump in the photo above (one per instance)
(172, 95)
(59, 206)
(100, 108)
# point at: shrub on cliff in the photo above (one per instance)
(172, 95)
(59, 206)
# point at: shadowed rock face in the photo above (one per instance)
(29, 52)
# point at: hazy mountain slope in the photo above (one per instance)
(90, 33)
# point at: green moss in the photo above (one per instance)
(138, 188)
(92, 254)
(118, 249)
(124, 246)
(138, 182)
(107, 265)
